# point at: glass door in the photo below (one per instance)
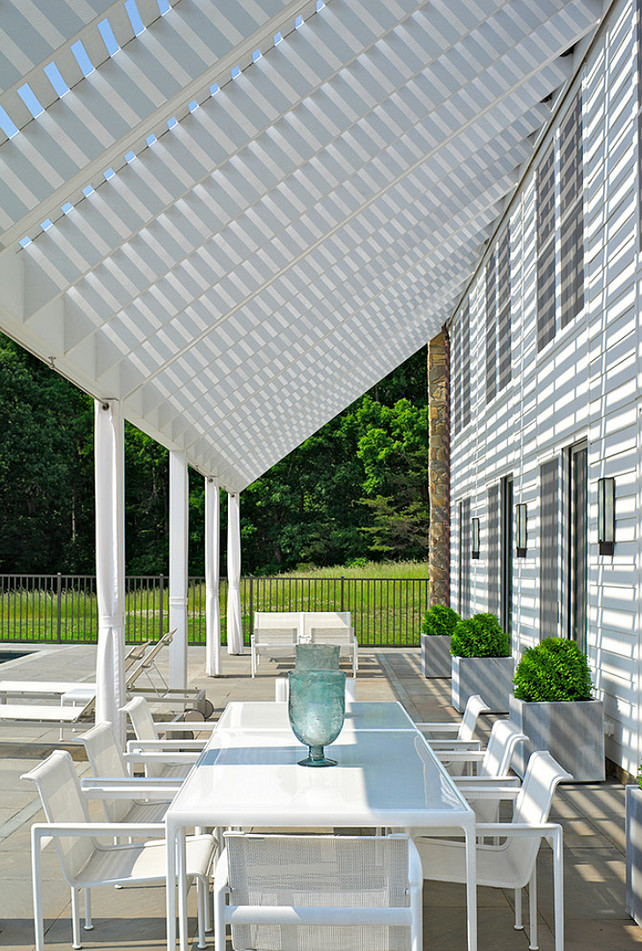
(578, 543)
(506, 599)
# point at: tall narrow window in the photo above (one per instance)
(493, 550)
(549, 549)
(578, 543)
(464, 557)
(545, 185)
(455, 376)
(571, 215)
(503, 310)
(491, 329)
(507, 553)
(465, 365)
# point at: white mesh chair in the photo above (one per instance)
(512, 862)
(446, 736)
(148, 739)
(85, 862)
(108, 764)
(332, 627)
(318, 892)
(275, 635)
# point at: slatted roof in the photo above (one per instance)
(235, 216)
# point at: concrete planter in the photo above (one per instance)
(435, 655)
(490, 677)
(633, 831)
(573, 733)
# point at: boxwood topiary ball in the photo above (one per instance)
(556, 669)
(439, 620)
(479, 636)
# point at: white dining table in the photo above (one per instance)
(248, 776)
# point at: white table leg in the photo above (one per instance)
(181, 856)
(170, 834)
(471, 885)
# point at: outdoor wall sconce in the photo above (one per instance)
(475, 538)
(606, 515)
(521, 530)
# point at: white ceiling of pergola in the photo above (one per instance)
(236, 238)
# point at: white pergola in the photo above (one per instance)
(227, 219)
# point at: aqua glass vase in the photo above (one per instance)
(316, 707)
(317, 656)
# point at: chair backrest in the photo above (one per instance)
(148, 659)
(331, 635)
(503, 739)
(330, 620)
(532, 806)
(106, 760)
(273, 627)
(62, 801)
(313, 871)
(474, 706)
(141, 719)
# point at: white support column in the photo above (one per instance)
(212, 578)
(109, 465)
(178, 539)
(234, 620)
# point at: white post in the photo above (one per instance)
(234, 621)
(212, 578)
(178, 539)
(109, 465)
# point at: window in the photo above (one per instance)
(498, 329)
(460, 370)
(493, 550)
(545, 186)
(507, 553)
(464, 558)
(549, 549)
(578, 543)
(491, 329)
(571, 229)
(571, 215)
(503, 307)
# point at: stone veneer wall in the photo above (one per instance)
(439, 469)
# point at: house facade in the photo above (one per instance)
(545, 395)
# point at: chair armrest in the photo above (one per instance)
(158, 746)
(461, 756)
(489, 782)
(491, 791)
(58, 829)
(103, 787)
(524, 830)
(452, 744)
(194, 726)
(438, 727)
(170, 759)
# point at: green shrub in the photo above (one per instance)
(439, 620)
(479, 636)
(556, 669)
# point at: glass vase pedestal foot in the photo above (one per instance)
(316, 757)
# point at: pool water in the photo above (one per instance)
(12, 655)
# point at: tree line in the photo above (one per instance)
(356, 489)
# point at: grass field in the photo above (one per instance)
(387, 602)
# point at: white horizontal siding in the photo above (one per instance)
(585, 384)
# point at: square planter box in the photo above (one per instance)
(490, 677)
(572, 732)
(634, 853)
(435, 655)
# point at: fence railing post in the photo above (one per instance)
(59, 603)
(160, 612)
(342, 598)
(250, 624)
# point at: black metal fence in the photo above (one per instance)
(386, 612)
